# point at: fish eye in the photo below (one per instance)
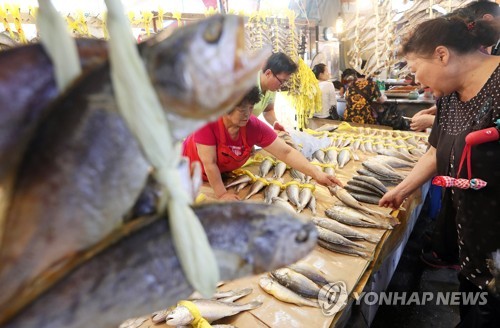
(213, 31)
(302, 236)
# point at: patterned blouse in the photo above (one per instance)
(358, 106)
(477, 211)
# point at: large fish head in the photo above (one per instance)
(180, 316)
(201, 70)
(280, 239)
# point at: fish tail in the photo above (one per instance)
(250, 306)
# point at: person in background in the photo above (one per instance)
(445, 55)
(225, 145)
(486, 10)
(339, 88)
(275, 74)
(328, 97)
(359, 98)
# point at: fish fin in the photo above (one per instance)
(372, 239)
(252, 305)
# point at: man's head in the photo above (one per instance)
(277, 71)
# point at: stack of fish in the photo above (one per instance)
(366, 189)
(383, 172)
(297, 284)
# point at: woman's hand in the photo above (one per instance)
(326, 179)
(393, 198)
(229, 196)
(422, 122)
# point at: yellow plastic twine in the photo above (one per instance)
(145, 118)
(198, 321)
(239, 172)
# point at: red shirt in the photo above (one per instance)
(257, 133)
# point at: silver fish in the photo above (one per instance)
(271, 191)
(356, 144)
(304, 198)
(255, 188)
(343, 229)
(397, 154)
(310, 272)
(211, 310)
(312, 205)
(329, 170)
(343, 249)
(331, 156)
(344, 157)
(279, 169)
(255, 238)
(335, 238)
(241, 186)
(368, 187)
(352, 217)
(283, 203)
(393, 162)
(265, 167)
(385, 180)
(365, 198)
(284, 294)
(296, 282)
(297, 175)
(319, 155)
(292, 191)
(244, 178)
(383, 170)
(283, 195)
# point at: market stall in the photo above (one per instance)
(359, 273)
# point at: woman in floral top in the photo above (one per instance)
(359, 97)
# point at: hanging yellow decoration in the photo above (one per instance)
(147, 18)
(74, 28)
(177, 15)
(15, 11)
(161, 14)
(82, 23)
(5, 22)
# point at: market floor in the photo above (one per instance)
(412, 275)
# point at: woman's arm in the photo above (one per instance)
(208, 157)
(295, 159)
(423, 171)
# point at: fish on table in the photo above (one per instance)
(141, 272)
(82, 170)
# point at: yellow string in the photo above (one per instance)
(15, 11)
(198, 321)
(147, 18)
(5, 22)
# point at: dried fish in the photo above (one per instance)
(279, 169)
(265, 167)
(211, 310)
(344, 157)
(292, 191)
(364, 198)
(283, 204)
(297, 175)
(304, 198)
(319, 155)
(296, 282)
(331, 156)
(310, 272)
(312, 205)
(256, 187)
(352, 217)
(272, 190)
(284, 294)
(343, 229)
(335, 238)
(343, 249)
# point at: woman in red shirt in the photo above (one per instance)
(225, 145)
